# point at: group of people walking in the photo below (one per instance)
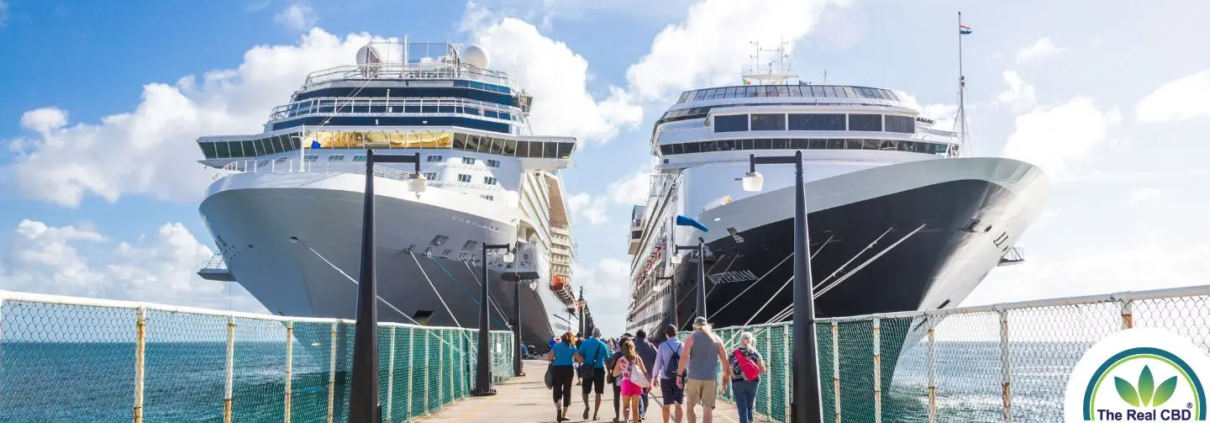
(684, 373)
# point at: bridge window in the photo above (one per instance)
(432, 176)
(493, 163)
(468, 160)
(336, 158)
(359, 158)
(817, 122)
(489, 180)
(222, 149)
(464, 178)
(902, 124)
(768, 122)
(730, 123)
(497, 146)
(872, 123)
(208, 150)
(522, 148)
(459, 141)
(434, 158)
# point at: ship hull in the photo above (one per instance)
(749, 274)
(287, 238)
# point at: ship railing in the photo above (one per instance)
(1000, 362)
(106, 360)
(394, 106)
(411, 71)
(214, 263)
(326, 167)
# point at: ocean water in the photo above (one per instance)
(184, 382)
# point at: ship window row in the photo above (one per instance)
(814, 122)
(458, 141)
(804, 144)
(484, 92)
(382, 106)
(250, 148)
(751, 91)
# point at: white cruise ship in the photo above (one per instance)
(285, 208)
(898, 220)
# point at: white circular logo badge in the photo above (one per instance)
(1139, 375)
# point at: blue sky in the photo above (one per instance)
(99, 186)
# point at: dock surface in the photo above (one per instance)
(526, 399)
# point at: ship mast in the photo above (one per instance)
(960, 126)
(773, 72)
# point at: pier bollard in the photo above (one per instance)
(1005, 368)
(228, 386)
(140, 349)
(391, 376)
(289, 369)
(332, 374)
(877, 370)
(836, 367)
(932, 373)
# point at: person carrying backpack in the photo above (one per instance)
(664, 375)
(746, 367)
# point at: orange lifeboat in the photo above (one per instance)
(557, 283)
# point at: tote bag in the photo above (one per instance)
(637, 378)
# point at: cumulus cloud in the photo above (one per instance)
(1042, 48)
(942, 114)
(628, 191)
(3, 12)
(298, 16)
(710, 46)
(592, 209)
(1020, 94)
(70, 260)
(1177, 100)
(1145, 195)
(1058, 139)
(606, 287)
(556, 76)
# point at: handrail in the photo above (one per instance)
(349, 105)
(411, 71)
(328, 167)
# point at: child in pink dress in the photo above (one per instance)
(630, 390)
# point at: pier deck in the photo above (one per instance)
(526, 399)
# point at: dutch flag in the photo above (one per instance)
(963, 29)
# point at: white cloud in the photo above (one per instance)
(592, 209)
(257, 5)
(1040, 49)
(710, 46)
(1020, 94)
(942, 114)
(607, 288)
(298, 16)
(630, 190)
(556, 76)
(3, 12)
(1059, 139)
(150, 150)
(53, 260)
(1145, 195)
(1177, 100)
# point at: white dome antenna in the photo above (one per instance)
(475, 56)
(369, 56)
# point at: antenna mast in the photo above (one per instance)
(774, 72)
(960, 126)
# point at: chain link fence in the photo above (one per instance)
(68, 359)
(998, 363)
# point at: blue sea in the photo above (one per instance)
(94, 382)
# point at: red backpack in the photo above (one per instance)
(749, 368)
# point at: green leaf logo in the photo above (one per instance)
(1147, 394)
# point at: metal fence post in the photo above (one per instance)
(932, 373)
(787, 380)
(768, 388)
(877, 370)
(332, 374)
(229, 385)
(140, 349)
(441, 369)
(836, 367)
(1005, 368)
(1127, 313)
(426, 372)
(411, 366)
(391, 376)
(289, 368)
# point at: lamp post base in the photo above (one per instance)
(477, 392)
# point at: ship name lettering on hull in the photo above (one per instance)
(732, 277)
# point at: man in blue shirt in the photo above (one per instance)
(663, 374)
(550, 345)
(592, 353)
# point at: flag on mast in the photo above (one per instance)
(963, 29)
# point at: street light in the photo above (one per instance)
(806, 366)
(483, 373)
(580, 304)
(673, 317)
(517, 278)
(363, 396)
(701, 273)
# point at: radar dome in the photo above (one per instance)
(368, 55)
(475, 56)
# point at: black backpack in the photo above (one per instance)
(673, 363)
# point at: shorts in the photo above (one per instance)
(671, 393)
(629, 389)
(597, 380)
(700, 391)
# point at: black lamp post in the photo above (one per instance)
(363, 395)
(483, 373)
(580, 304)
(806, 406)
(701, 274)
(673, 317)
(517, 277)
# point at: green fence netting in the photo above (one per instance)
(79, 360)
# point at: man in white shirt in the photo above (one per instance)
(663, 375)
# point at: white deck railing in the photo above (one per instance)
(414, 71)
